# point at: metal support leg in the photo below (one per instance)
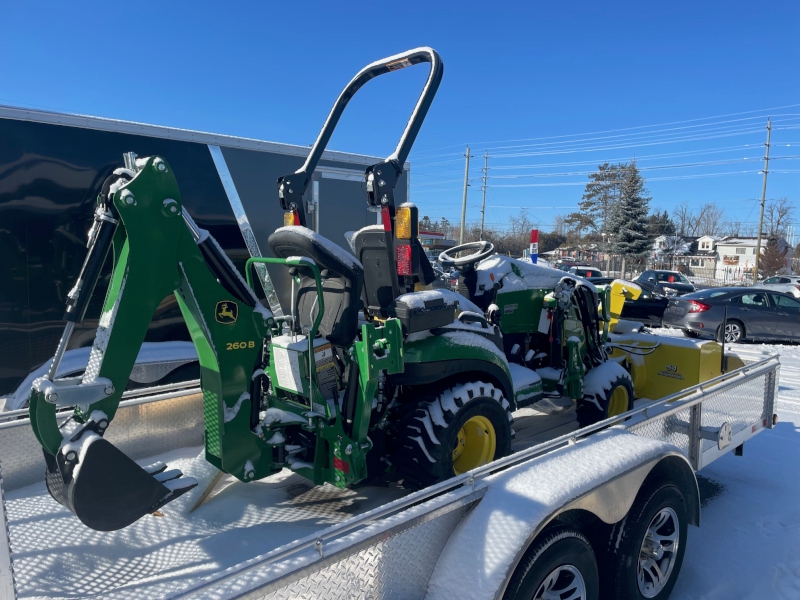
(695, 439)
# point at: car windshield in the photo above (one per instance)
(671, 278)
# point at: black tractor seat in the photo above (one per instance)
(342, 280)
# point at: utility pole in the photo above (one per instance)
(464, 201)
(485, 172)
(763, 200)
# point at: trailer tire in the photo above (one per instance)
(659, 510)
(594, 408)
(472, 420)
(561, 561)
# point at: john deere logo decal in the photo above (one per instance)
(226, 312)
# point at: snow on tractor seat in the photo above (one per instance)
(515, 275)
(318, 240)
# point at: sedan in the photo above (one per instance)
(783, 283)
(752, 314)
(648, 308)
(669, 283)
(585, 272)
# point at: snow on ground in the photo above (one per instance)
(748, 542)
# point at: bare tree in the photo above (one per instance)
(732, 228)
(778, 214)
(774, 258)
(684, 219)
(709, 219)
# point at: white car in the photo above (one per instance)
(784, 283)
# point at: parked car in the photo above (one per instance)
(648, 308)
(582, 271)
(783, 283)
(753, 314)
(669, 283)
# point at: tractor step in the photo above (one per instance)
(104, 488)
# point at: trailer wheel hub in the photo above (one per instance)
(475, 444)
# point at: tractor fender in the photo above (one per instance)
(593, 480)
(433, 358)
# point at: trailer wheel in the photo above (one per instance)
(597, 407)
(646, 548)
(560, 565)
(462, 428)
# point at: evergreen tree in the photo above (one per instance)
(627, 222)
(599, 198)
(660, 224)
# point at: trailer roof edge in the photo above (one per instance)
(174, 133)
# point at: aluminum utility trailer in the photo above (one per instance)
(479, 534)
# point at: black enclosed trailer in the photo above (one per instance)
(49, 160)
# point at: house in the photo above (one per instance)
(737, 257)
(694, 256)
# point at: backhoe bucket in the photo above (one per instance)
(104, 488)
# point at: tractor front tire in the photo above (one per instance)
(614, 401)
(464, 427)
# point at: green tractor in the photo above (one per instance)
(364, 372)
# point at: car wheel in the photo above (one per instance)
(734, 332)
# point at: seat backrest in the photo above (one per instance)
(342, 277)
(370, 247)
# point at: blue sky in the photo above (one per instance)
(665, 74)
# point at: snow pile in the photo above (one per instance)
(498, 528)
(515, 275)
(340, 253)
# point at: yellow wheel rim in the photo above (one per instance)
(475, 445)
(619, 401)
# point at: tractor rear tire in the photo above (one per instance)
(594, 408)
(464, 427)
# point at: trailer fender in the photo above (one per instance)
(601, 474)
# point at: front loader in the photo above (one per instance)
(332, 389)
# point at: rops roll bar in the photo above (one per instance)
(382, 177)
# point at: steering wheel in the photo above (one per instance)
(466, 263)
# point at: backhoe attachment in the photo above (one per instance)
(157, 250)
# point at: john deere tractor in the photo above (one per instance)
(364, 371)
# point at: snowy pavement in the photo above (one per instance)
(748, 542)
(748, 545)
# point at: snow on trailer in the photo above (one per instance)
(280, 535)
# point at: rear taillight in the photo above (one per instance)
(797, 286)
(697, 307)
(404, 260)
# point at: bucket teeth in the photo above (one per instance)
(104, 488)
(155, 468)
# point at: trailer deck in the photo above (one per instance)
(243, 529)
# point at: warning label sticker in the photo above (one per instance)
(287, 368)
